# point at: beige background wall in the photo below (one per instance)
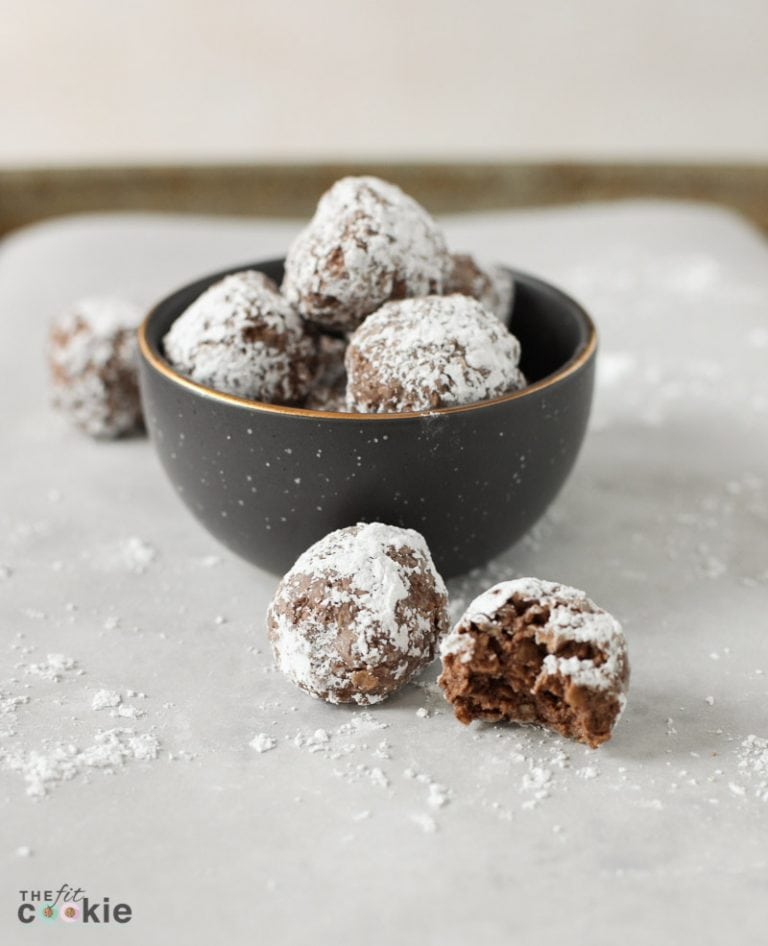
(101, 80)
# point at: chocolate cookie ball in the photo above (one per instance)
(423, 354)
(92, 357)
(492, 286)
(241, 337)
(359, 614)
(532, 651)
(328, 392)
(367, 243)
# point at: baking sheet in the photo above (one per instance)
(396, 824)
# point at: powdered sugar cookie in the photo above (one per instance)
(359, 614)
(427, 353)
(241, 337)
(93, 366)
(493, 286)
(367, 243)
(328, 391)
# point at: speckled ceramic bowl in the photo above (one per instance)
(269, 481)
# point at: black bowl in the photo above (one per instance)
(268, 481)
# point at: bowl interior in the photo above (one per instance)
(552, 329)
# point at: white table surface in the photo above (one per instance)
(660, 836)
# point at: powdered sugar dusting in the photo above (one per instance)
(426, 822)
(460, 645)
(105, 699)
(262, 742)
(52, 668)
(93, 358)
(110, 749)
(104, 315)
(492, 285)
(241, 337)
(572, 617)
(56, 687)
(753, 765)
(368, 242)
(137, 554)
(91, 327)
(352, 572)
(431, 352)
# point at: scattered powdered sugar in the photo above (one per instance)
(426, 822)
(362, 723)
(8, 704)
(347, 739)
(753, 765)
(52, 668)
(438, 796)
(126, 711)
(105, 699)
(376, 776)
(520, 771)
(34, 614)
(76, 750)
(318, 741)
(262, 742)
(8, 708)
(423, 354)
(536, 784)
(136, 554)
(43, 769)
(241, 337)
(353, 773)
(587, 772)
(367, 242)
